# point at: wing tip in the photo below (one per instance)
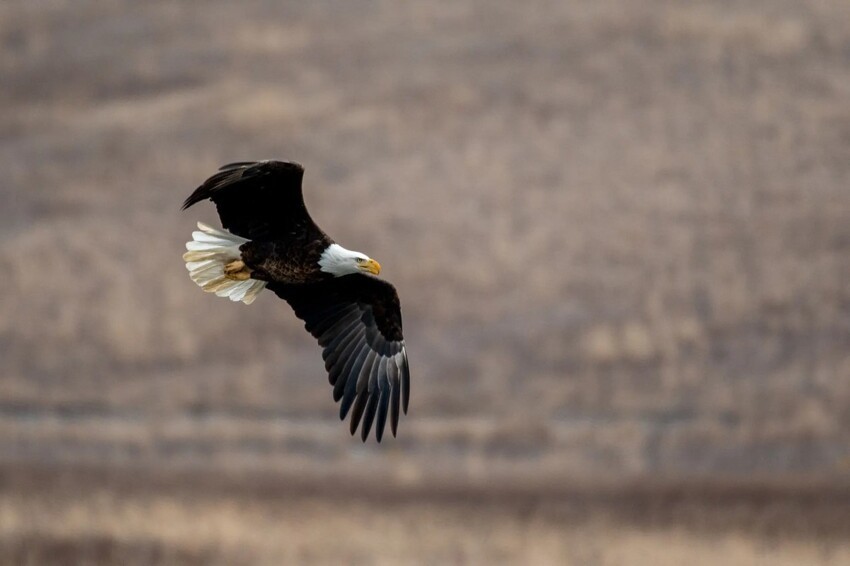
(232, 172)
(191, 199)
(278, 164)
(237, 165)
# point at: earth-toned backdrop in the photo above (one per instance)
(621, 236)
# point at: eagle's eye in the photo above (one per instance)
(358, 259)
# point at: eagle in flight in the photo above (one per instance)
(270, 241)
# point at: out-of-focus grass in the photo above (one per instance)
(130, 519)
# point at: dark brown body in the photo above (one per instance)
(293, 261)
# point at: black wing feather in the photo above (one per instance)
(344, 354)
(395, 390)
(362, 364)
(369, 415)
(357, 411)
(383, 408)
(259, 200)
(357, 320)
(339, 343)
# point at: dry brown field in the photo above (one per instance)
(621, 236)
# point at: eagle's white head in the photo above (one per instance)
(339, 261)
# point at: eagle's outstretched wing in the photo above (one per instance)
(357, 321)
(259, 200)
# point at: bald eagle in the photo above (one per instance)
(270, 241)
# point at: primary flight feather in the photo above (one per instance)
(270, 241)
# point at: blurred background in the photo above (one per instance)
(621, 236)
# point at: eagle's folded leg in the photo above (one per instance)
(237, 270)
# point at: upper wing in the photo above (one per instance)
(257, 200)
(357, 320)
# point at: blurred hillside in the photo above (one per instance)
(620, 232)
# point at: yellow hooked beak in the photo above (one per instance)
(371, 266)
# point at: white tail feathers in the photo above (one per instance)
(208, 253)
